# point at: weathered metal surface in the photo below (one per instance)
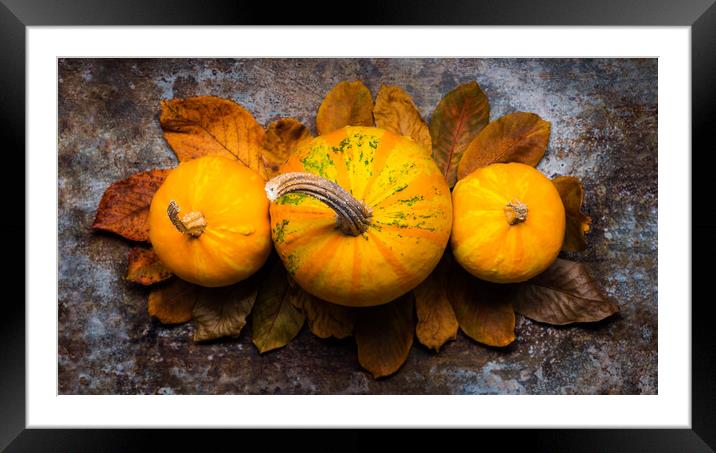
(604, 130)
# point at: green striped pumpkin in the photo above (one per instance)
(360, 216)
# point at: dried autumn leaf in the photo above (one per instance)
(384, 335)
(173, 302)
(222, 312)
(483, 309)
(456, 121)
(565, 293)
(578, 224)
(437, 323)
(275, 319)
(517, 137)
(281, 139)
(208, 125)
(324, 318)
(124, 207)
(347, 104)
(395, 111)
(145, 268)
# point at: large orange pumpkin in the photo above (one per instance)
(360, 216)
(508, 222)
(208, 222)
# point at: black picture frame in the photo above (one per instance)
(699, 15)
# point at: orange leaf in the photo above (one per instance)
(173, 302)
(384, 335)
(578, 224)
(563, 294)
(457, 119)
(208, 125)
(517, 137)
(124, 207)
(222, 312)
(347, 104)
(395, 111)
(483, 309)
(275, 319)
(437, 323)
(324, 318)
(145, 268)
(282, 138)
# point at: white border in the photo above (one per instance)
(670, 408)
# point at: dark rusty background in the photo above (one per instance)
(604, 130)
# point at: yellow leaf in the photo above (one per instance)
(384, 335)
(275, 319)
(395, 111)
(208, 125)
(347, 104)
(221, 312)
(436, 319)
(517, 137)
(281, 139)
(578, 224)
(173, 302)
(145, 268)
(483, 309)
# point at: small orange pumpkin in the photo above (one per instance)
(360, 216)
(208, 222)
(508, 222)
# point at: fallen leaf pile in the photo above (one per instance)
(460, 137)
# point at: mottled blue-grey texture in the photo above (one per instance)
(604, 130)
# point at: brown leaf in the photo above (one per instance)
(124, 207)
(578, 224)
(457, 119)
(517, 137)
(563, 294)
(280, 141)
(275, 319)
(208, 125)
(347, 104)
(222, 312)
(395, 111)
(437, 323)
(173, 302)
(145, 268)
(324, 318)
(483, 309)
(384, 335)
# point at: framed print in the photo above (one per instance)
(397, 223)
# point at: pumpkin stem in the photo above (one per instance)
(516, 212)
(191, 223)
(352, 216)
